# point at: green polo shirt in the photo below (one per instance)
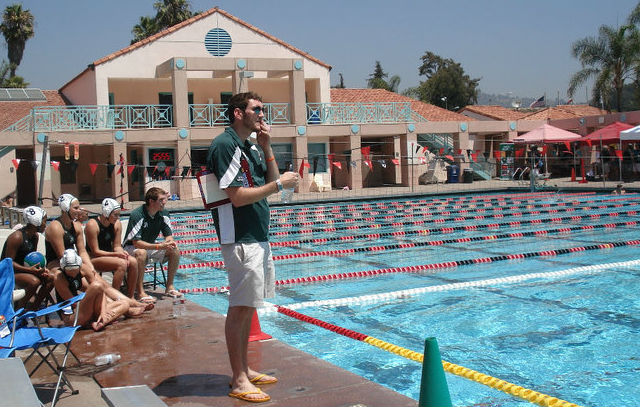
(143, 227)
(238, 164)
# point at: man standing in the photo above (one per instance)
(145, 224)
(242, 226)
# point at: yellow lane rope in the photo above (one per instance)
(498, 384)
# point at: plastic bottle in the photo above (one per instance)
(178, 307)
(287, 193)
(106, 359)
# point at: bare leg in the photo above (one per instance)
(111, 311)
(141, 259)
(30, 284)
(90, 306)
(236, 329)
(132, 276)
(172, 267)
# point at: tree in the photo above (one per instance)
(168, 14)
(17, 28)
(610, 59)
(377, 79)
(447, 85)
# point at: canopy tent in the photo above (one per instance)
(632, 134)
(610, 133)
(546, 134)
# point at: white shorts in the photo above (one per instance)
(153, 256)
(251, 273)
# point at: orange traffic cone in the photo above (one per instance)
(256, 333)
(573, 174)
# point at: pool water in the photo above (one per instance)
(570, 334)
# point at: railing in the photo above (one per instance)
(349, 113)
(216, 114)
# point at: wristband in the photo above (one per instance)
(272, 158)
(279, 185)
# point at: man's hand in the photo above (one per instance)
(290, 179)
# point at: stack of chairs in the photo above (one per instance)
(20, 334)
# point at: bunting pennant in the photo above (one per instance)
(588, 142)
(301, 170)
(130, 168)
(395, 161)
(425, 149)
(16, 162)
(67, 155)
(474, 157)
(383, 163)
(544, 149)
(331, 157)
(417, 148)
(55, 165)
(441, 151)
(365, 152)
(568, 145)
(423, 160)
(93, 168)
(110, 168)
(337, 164)
(76, 151)
(368, 164)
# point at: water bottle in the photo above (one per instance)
(178, 307)
(287, 193)
(106, 359)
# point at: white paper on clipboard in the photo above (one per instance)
(212, 195)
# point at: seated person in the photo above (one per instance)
(145, 224)
(66, 233)
(20, 243)
(104, 244)
(96, 309)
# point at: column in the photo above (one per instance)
(180, 89)
(43, 172)
(355, 178)
(297, 97)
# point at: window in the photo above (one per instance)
(284, 155)
(317, 151)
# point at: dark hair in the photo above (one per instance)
(153, 193)
(240, 101)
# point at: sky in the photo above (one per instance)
(516, 47)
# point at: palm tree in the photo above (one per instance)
(610, 59)
(377, 79)
(168, 13)
(145, 28)
(17, 28)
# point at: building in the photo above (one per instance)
(145, 115)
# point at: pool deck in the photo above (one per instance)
(184, 360)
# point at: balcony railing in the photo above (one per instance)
(351, 113)
(71, 118)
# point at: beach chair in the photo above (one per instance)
(42, 341)
(15, 385)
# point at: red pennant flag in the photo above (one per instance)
(425, 149)
(474, 157)
(337, 164)
(568, 145)
(449, 157)
(368, 164)
(395, 161)
(93, 168)
(619, 154)
(496, 154)
(441, 151)
(544, 149)
(588, 142)
(130, 168)
(55, 165)
(301, 170)
(365, 152)
(16, 162)
(331, 157)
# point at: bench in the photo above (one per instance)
(15, 385)
(131, 396)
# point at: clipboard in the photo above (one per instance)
(212, 195)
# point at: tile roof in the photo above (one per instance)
(495, 112)
(185, 23)
(11, 112)
(426, 110)
(564, 112)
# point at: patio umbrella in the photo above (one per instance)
(610, 133)
(546, 134)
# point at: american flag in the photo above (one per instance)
(538, 103)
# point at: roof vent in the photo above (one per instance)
(217, 42)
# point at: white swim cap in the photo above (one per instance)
(33, 215)
(109, 205)
(70, 259)
(65, 200)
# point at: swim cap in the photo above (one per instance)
(70, 259)
(65, 200)
(109, 205)
(33, 215)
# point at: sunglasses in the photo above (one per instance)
(259, 109)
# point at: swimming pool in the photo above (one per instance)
(518, 287)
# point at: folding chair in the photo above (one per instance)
(42, 340)
(156, 275)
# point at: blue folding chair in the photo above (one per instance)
(42, 340)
